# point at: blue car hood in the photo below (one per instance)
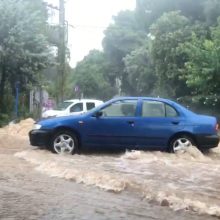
(60, 120)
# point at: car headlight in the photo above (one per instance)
(37, 127)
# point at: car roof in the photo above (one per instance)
(167, 101)
(83, 100)
(143, 97)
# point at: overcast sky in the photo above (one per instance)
(89, 18)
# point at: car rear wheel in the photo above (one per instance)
(64, 142)
(181, 143)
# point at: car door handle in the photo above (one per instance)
(131, 122)
(175, 122)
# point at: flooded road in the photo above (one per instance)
(189, 181)
(36, 184)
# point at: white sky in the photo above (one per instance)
(89, 18)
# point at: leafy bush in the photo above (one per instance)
(4, 119)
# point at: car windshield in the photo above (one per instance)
(63, 105)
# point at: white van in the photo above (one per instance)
(72, 107)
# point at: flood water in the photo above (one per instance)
(187, 181)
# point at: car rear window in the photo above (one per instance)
(158, 109)
(153, 109)
(171, 112)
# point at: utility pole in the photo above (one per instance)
(61, 49)
(16, 98)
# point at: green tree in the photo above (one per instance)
(121, 38)
(211, 11)
(169, 31)
(91, 76)
(148, 11)
(202, 70)
(140, 73)
(24, 49)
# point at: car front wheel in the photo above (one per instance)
(181, 143)
(64, 142)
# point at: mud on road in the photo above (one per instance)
(36, 184)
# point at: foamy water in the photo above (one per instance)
(189, 181)
(20, 129)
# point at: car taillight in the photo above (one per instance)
(217, 127)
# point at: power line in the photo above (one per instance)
(88, 26)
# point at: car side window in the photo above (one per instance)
(153, 109)
(77, 107)
(90, 105)
(171, 112)
(125, 108)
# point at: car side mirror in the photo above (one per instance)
(98, 114)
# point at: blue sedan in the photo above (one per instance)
(140, 123)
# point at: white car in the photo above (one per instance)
(72, 107)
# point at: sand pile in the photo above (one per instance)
(21, 129)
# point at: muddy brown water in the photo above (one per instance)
(36, 184)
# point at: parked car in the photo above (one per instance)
(128, 123)
(72, 107)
